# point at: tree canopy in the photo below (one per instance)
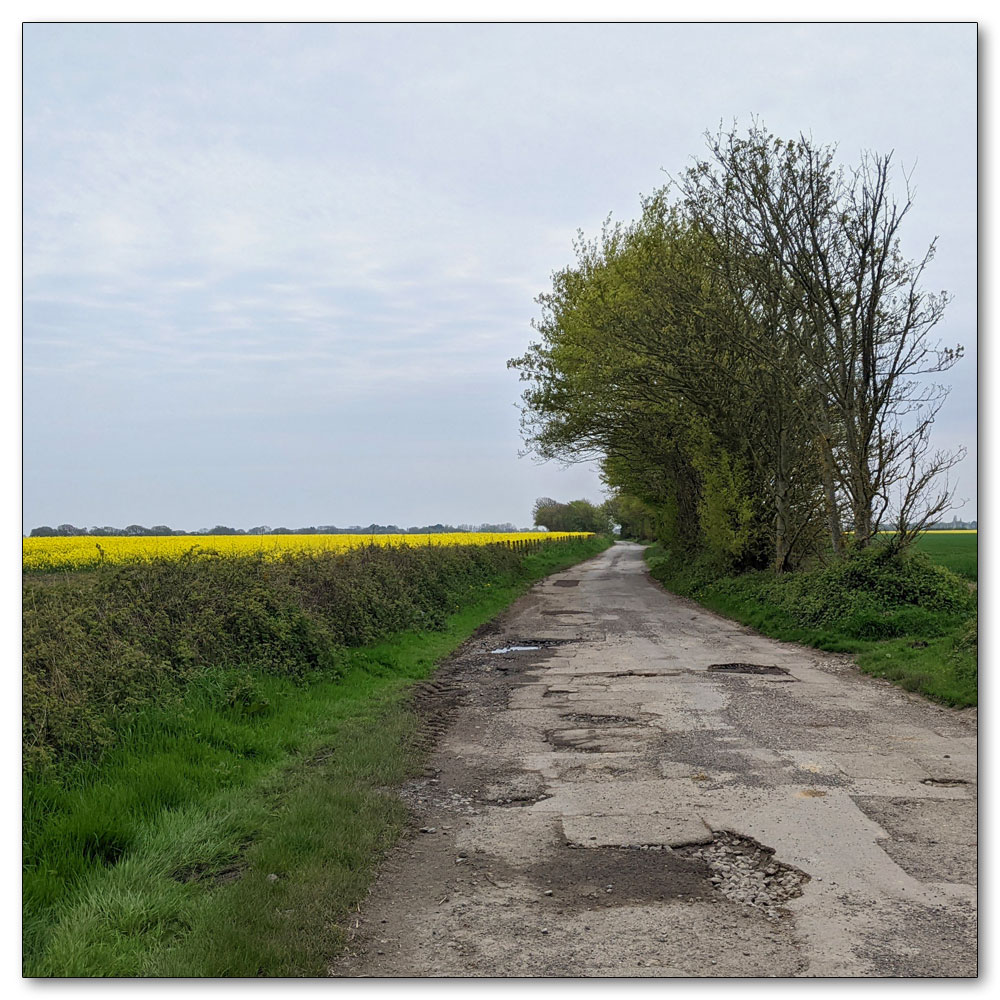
(747, 359)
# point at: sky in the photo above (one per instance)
(272, 274)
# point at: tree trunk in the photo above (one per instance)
(781, 543)
(830, 492)
(862, 517)
(858, 477)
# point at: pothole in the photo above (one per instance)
(585, 718)
(616, 737)
(579, 878)
(520, 800)
(580, 742)
(423, 795)
(566, 583)
(564, 612)
(747, 872)
(943, 782)
(525, 645)
(746, 668)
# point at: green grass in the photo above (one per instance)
(957, 552)
(913, 623)
(943, 669)
(157, 859)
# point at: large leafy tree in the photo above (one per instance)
(638, 363)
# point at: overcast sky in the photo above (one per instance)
(272, 274)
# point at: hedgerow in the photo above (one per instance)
(909, 620)
(875, 594)
(102, 647)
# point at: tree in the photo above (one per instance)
(637, 366)
(825, 245)
(635, 519)
(750, 363)
(577, 515)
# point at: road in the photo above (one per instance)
(608, 804)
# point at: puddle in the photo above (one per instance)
(524, 645)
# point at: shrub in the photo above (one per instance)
(873, 594)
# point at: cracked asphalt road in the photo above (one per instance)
(608, 805)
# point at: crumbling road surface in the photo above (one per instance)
(657, 791)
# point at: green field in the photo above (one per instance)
(955, 550)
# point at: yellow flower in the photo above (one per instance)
(82, 552)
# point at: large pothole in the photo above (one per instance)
(747, 872)
(746, 668)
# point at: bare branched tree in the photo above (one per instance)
(854, 335)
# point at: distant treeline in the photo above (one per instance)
(158, 530)
(576, 515)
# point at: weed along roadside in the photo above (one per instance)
(208, 797)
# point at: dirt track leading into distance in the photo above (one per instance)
(614, 804)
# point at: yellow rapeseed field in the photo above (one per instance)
(83, 552)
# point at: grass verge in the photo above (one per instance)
(233, 838)
(910, 622)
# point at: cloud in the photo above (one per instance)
(248, 224)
